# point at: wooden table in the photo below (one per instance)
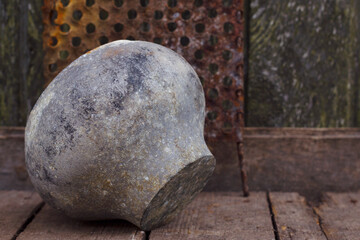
(274, 215)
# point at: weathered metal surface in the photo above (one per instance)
(119, 134)
(304, 64)
(208, 34)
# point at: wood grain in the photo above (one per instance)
(339, 216)
(221, 216)
(15, 208)
(226, 176)
(309, 161)
(13, 174)
(294, 219)
(50, 224)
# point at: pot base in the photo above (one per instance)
(177, 193)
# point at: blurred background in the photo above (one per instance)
(302, 71)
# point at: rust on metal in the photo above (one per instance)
(208, 34)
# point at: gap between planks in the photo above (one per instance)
(31, 217)
(209, 216)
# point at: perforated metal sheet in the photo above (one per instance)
(209, 34)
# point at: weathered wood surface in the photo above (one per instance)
(340, 216)
(210, 216)
(221, 216)
(50, 224)
(294, 218)
(13, 174)
(308, 161)
(304, 64)
(21, 80)
(226, 176)
(15, 208)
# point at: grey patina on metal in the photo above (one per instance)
(118, 134)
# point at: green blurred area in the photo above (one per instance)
(21, 56)
(304, 63)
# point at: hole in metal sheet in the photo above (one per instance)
(198, 3)
(202, 80)
(227, 104)
(212, 115)
(103, 40)
(77, 14)
(76, 41)
(64, 27)
(53, 67)
(158, 14)
(158, 40)
(213, 40)
(228, 27)
(186, 15)
(132, 14)
(227, 126)
(226, 3)
(53, 41)
(53, 15)
(213, 68)
(144, 3)
(200, 27)
(212, 13)
(172, 3)
(103, 14)
(131, 38)
(118, 27)
(199, 54)
(89, 3)
(184, 41)
(227, 55)
(172, 26)
(90, 28)
(118, 3)
(65, 2)
(213, 94)
(145, 27)
(63, 54)
(227, 81)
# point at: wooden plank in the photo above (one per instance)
(294, 219)
(339, 214)
(13, 174)
(221, 216)
(15, 208)
(308, 161)
(226, 176)
(50, 224)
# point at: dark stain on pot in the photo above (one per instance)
(47, 176)
(118, 99)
